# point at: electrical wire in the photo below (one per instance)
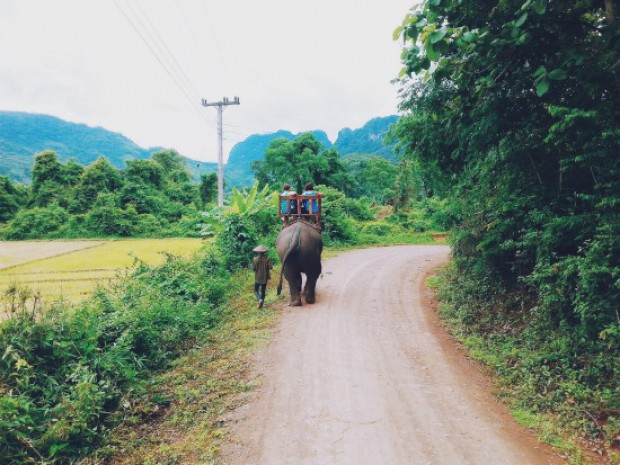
(205, 9)
(161, 62)
(157, 39)
(169, 56)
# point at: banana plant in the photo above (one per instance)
(242, 202)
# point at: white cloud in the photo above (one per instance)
(295, 65)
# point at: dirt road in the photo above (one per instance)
(366, 376)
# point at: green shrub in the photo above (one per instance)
(380, 228)
(337, 225)
(64, 371)
(236, 241)
(36, 222)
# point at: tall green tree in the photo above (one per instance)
(517, 119)
(46, 168)
(299, 161)
(11, 198)
(100, 176)
(146, 172)
(374, 177)
(208, 188)
(174, 167)
(47, 179)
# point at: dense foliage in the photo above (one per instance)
(153, 197)
(65, 370)
(301, 160)
(516, 122)
(369, 139)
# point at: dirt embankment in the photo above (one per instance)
(367, 376)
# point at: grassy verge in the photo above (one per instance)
(180, 415)
(547, 391)
(65, 369)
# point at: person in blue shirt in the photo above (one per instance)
(288, 206)
(305, 203)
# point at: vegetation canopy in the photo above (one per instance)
(513, 116)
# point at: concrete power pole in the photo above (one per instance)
(220, 132)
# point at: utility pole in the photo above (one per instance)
(220, 132)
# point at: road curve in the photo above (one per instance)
(366, 376)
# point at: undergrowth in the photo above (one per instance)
(562, 385)
(70, 375)
(64, 370)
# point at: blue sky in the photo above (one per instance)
(296, 65)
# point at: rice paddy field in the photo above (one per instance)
(72, 269)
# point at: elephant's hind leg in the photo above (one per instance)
(310, 288)
(294, 284)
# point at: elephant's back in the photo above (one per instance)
(296, 236)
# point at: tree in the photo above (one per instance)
(374, 177)
(9, 199)
(47, 180)
(517, 121)
(299, 161)
(100, 176)
(71, 172)
(46, 168)
(174, 167)
(208, 188)
(147, 172)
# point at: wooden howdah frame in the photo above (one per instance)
(297, 200)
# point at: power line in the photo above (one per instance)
(205, 8)
(168, 55)
(166, 50)
(168, 71)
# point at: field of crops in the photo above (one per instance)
(71, 270)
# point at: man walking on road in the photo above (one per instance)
(261, 266)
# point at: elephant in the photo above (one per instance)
(299, 247)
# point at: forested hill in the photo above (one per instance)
(368, 139)
(365, 140)
(22, 135)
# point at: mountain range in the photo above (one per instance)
(22, 135)
(366, 140)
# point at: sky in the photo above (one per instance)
(141, 67)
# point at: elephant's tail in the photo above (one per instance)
(295, 239)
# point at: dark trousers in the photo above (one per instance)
(259, 291)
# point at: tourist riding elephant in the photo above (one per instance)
(299, 247)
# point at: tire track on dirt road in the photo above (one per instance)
(366, 376)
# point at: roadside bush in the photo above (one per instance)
(338, 227)
(359, 209)
(414, 220)
(236, 240)
(63, 371)
(380, 228)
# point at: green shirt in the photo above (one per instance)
(261, 265)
